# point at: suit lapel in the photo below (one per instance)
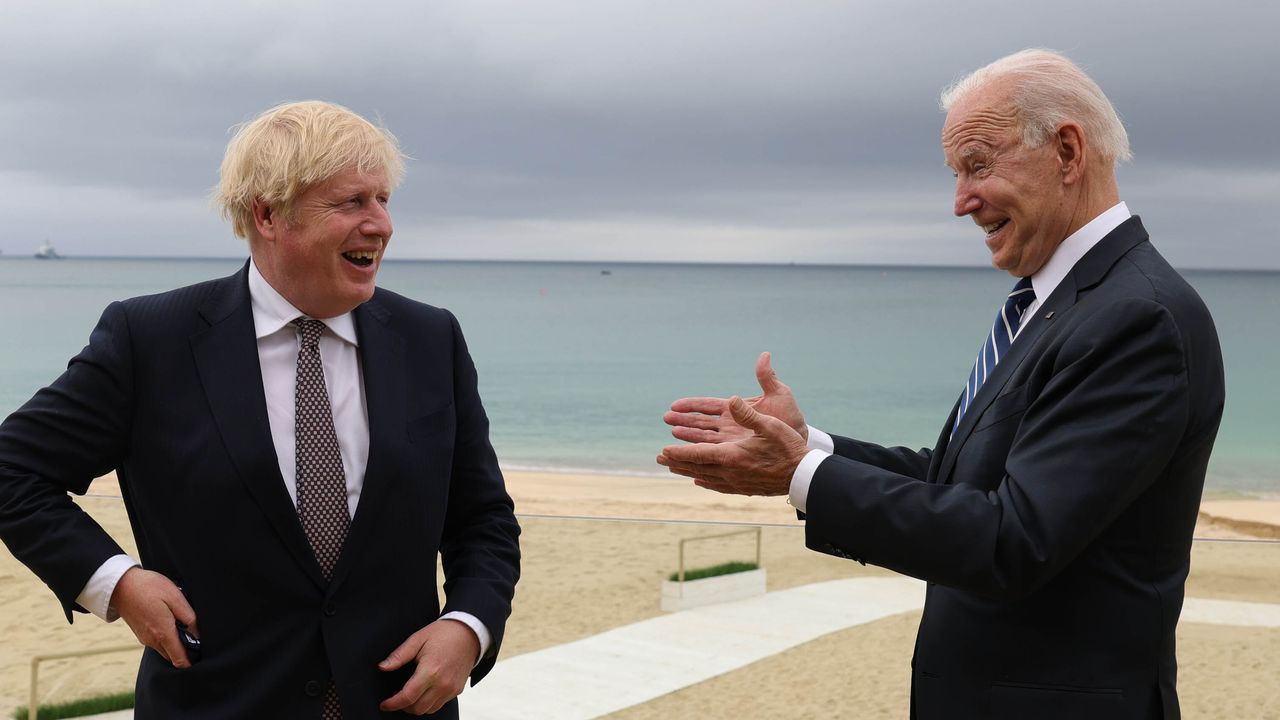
(385, 370)
(1063, 297)
(1088, 271)
(226, 357)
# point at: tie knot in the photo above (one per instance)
(1021, 295)
(310, 329)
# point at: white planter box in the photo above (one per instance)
(708, 591)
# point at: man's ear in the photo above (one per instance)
(1070, 145)
(265, 219)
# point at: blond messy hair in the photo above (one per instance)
(1050, 90)
(294, 146)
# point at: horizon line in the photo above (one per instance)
(540, 261)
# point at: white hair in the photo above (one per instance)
(1048, 91)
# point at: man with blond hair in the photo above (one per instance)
(295, 447)
(1053, 518)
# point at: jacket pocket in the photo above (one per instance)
(1056, 702)
(1009, 404)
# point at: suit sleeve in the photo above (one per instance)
(900, 460)
(57, 443)
(1098, 432)
(480, 550)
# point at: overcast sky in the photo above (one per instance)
(691, 130)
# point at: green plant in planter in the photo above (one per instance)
(80, 708)
(723, 569)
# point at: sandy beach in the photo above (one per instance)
(583, 575)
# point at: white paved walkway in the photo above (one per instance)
(1230, 612)
(638, 662)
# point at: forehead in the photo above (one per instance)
(984, 119)
(353, 180)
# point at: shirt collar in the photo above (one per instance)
(271, 311)
(1047, 279)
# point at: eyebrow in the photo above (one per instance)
(973, 147)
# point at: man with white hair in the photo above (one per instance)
(296, 449)
(1053, 518)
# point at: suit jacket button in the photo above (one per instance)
(313, 688)
(330, 608)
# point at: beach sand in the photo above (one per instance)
(583, 576)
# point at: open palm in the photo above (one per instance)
(707, 419)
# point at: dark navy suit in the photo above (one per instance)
(1054, 529)
(168, 393)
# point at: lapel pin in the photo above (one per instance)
(1048, 315)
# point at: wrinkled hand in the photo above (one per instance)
(760, 464)
(445, 652)
(150, 603)
(707, 419)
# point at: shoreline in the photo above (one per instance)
(661, 497)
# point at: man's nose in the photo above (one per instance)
(377, 222)
(966, 201)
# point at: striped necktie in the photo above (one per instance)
(1008, 320)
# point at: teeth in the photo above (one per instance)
(362, 255)
(992, 227)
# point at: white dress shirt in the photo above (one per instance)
(278, 344)
(1044, 282)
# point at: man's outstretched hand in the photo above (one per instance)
(708, 420)
(761, 463)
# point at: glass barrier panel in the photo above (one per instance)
(594, 588)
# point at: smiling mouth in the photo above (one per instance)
(360, 258)
(993, 228)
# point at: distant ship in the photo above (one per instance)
(46, 252)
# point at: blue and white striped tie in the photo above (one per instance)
(1008, 320)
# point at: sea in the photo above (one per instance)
(578, 361)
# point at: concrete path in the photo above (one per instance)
(638, 662)
(1230, 612)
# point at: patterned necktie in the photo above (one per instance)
(322, 483)
(1008, 320)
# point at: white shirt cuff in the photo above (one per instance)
(477, 627)
(96, 595)
(802, 478)
(819, 440)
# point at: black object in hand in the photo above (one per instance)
(190, 642)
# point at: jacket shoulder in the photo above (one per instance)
(391, 306)
(184, 302)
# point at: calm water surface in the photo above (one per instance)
(577, 366)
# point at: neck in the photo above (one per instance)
(1098, 192)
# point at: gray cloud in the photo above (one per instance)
(719, 130)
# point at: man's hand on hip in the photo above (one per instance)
(761, 464)
(445, 652)
(151, 604)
